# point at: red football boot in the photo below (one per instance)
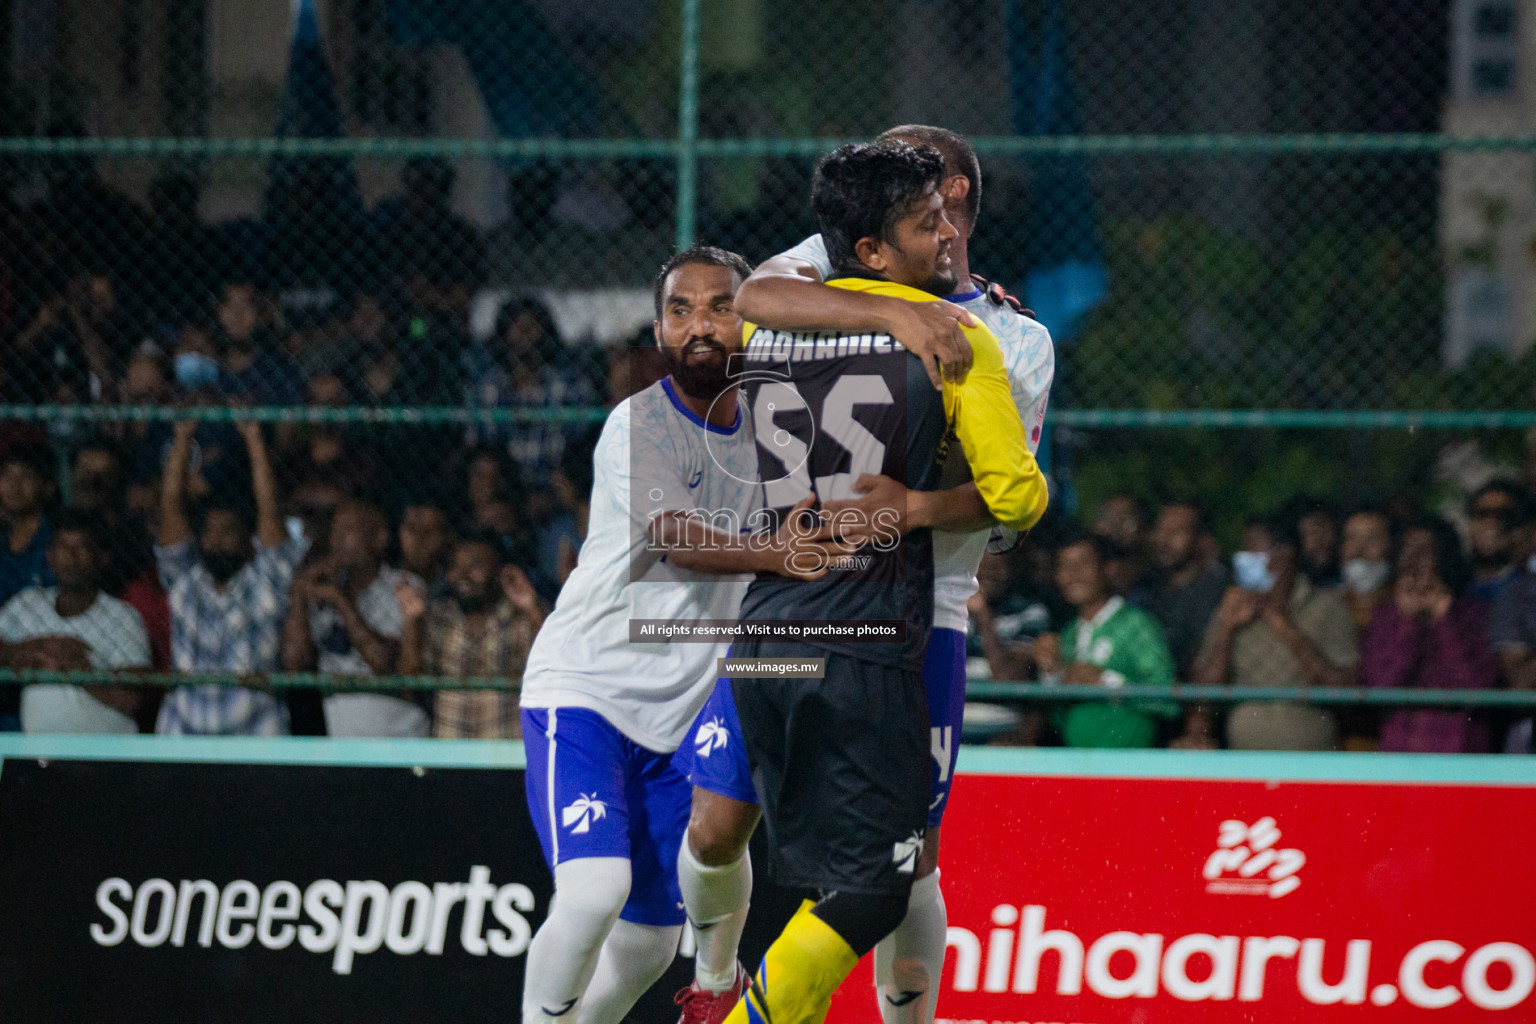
(701, 1006)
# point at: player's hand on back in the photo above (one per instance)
(803, 547)
(857, 520)
(931, 331)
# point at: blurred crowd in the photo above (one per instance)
(1315, 595)
(347, 549)
(410, 549)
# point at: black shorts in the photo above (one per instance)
(840, 765)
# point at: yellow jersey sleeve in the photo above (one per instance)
(984, 417)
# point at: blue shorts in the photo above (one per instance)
(594, 792)
(713, 755)
(714, 758)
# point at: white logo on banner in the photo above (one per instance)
(712, 736)
(1248, 862)
(580, 815)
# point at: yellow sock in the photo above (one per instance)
(799, 973)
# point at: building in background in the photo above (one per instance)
(1488, 223)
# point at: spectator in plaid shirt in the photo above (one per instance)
(228, 597)
(483, 628)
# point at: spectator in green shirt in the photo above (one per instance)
(1110, 643)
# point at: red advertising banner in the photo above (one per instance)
(1143, 901)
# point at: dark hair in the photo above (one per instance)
(1501, 485)
(1299, 508)
(1138, 505)
(1105, 549)
(1451, 563)
(506, 465)
(1281, 529)
(427, 497)
(369, 508)
(862, 191)
(36, 457)
(959, 157)
(518, 306)
(1202, 514)
(236, 504)
(491, 539)
(1525, 512)
(74, 520)
(1372, 509)
(709, 255)
(221, 290)
(100, 443)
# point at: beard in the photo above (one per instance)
(943, 282)
(473, 604)
(223, 565)
(703, 379)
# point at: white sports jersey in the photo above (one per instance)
(1031, 362)
(654, 455)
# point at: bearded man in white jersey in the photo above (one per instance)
(670, 539)
(714, 869)
(675, 484)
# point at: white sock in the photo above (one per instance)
(633, 957)
(908, 961)
(589, 893)
(717, 900)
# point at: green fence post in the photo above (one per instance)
(688, 128)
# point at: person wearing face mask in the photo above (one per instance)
(228, 594)
(1275, 629)
(1431, 633)
(484, 627)
(1365, 562)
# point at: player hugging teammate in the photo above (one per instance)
(844, 423)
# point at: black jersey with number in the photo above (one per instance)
(827, 408)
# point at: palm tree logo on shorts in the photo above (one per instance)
(712, 736)
(904, 854)
(581, 814)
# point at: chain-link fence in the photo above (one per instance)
(418, 240)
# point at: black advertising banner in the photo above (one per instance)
(191, 893)
(143, 892)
